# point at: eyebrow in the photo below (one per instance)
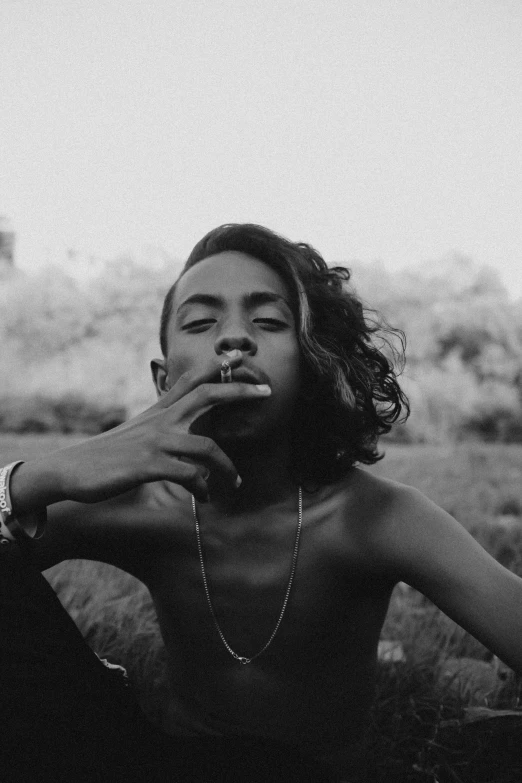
(251, 300)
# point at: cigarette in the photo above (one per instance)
(226, 372)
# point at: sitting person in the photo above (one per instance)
(269, 554)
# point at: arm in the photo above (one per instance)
(422, 545)
(104, 475)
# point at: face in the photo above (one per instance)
(233, 301)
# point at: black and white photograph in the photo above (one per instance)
(261, 391)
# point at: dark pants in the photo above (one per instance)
(64, 716)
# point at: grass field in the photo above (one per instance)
(423, 722)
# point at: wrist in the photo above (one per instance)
(12, 526)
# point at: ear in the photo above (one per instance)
(160, 376)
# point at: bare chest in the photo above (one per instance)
(247, 587)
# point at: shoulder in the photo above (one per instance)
(378, 501)
(406, 537)
(410, 538)
(360, 503)
(392, 522)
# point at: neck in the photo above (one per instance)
(265, 474)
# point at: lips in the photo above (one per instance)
(241, 375)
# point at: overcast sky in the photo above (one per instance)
(374, 129)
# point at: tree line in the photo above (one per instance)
(85, 346)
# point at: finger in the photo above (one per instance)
(206, 396)
(191, 476)
(192, 379)
(206, 455)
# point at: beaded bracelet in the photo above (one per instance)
(11, 527)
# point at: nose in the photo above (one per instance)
(235, 338)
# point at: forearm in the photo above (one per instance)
(33, 514)
(16, 526)
(34, 485)
(26, 492)
(76, 490)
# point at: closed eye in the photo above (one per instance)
(271, 323)
(199, 325)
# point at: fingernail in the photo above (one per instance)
(239, 481)
(264, 388)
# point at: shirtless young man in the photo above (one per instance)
(309, 395)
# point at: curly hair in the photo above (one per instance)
(349, 393)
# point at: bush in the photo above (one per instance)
(68, 414)
(496, 427)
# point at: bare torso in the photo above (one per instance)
(314, 684)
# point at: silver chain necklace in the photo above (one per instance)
(242, 658)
